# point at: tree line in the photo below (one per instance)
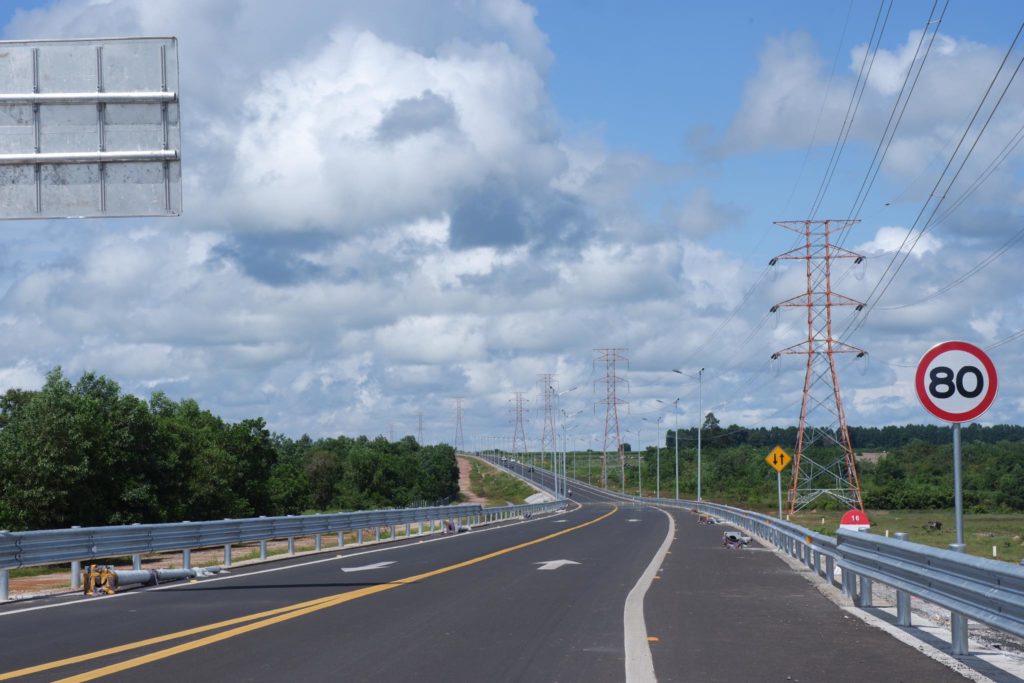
(86, 454)
(915, 472)
(862, 438)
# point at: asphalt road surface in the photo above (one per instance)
(543, 600)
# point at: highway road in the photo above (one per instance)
(556, 598)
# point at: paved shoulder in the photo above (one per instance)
(744, 615)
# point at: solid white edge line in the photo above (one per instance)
(639, 663)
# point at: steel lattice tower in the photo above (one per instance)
(419, 428)
(611, 401)
(460, 442)
(822, 418)
(519, 432)
(549, 434)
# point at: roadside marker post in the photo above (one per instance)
(778, 459)
(956, 382)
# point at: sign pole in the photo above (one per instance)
(778, 481)
(956, 382)
(958, 491)
(777, 460)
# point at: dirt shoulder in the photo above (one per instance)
(465, 466)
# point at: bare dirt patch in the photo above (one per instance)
(465, 466)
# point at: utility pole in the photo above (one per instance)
(700, 427)
(610, 358)
(460, 443)
(825, 473)
(519, 432)
(549, 432)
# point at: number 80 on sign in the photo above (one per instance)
(956, 381)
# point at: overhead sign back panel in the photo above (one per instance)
(89, 128)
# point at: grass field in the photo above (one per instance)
(981, 532)
(496, 486)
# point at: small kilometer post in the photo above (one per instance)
(956, 382)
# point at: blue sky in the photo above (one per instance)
(390, 204)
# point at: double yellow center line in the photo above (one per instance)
(254, 622)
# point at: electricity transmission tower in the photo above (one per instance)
(610, 358)
(828, 470)
(460, 443)
(549, 434)
(519, 432)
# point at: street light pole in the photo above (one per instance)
(675, 415)
(657, 452)
(700, 425)
(657, 475)
(700, 419)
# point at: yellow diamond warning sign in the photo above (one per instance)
(778, 459)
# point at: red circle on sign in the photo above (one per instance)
(926, 399)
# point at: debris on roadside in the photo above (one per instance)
(734, 540)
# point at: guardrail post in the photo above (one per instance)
(903, 614)
(76, 571)
(291, 545)
(4, 596)
(865, 597)
(76, 575)
(830, 570)
(316, 542)
(136, 557)
(391, 530)
(376, 534)
(817, 562)
(849, 583)
(263, 550)
(186, 559)
(341, 538)
(408, 528)
(359, 537)
(957, 621)
(227, 554)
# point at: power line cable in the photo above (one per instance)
(1007, 340)
(821, 111)
(851, 109)
(882, 149)
(872, 298)
(978, 267)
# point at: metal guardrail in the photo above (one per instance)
(74, 545)
(987, 591)
(971, 588)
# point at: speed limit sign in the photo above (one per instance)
(956, 381)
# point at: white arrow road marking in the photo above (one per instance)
(376, 565)
(553, 564)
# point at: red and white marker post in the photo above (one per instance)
(956, 382)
